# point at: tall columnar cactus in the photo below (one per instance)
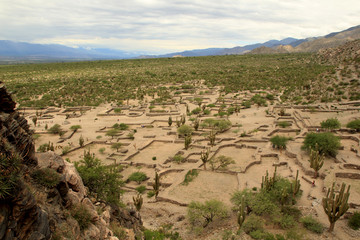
(138, 202)
(170, 121)
(212, 137)
(196, 124)
(268, 183)
(316, 160)
(187, 141)
(205, 157)
(183, 119)
(242, 212)
(156, 185)
(295, 187)
(336, 205)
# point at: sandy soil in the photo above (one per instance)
(153, 138)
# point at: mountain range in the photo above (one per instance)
(11, 51)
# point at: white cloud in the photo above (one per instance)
(165, 25)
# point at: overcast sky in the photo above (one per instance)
(161, 26)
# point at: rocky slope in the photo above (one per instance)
(29, 210)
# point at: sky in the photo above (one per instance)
(162, 26)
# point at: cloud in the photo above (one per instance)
(163, 25)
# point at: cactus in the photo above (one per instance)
(183, 119)
(316, 160)
(196, 124)
(241, 213)
(170, 121)
(187, 141)
(212, 137)
(336, 205)
(268, 183)
(138, 201)
(295, 188)
(156, 185)
(205, 157)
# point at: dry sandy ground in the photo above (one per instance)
(208, 184)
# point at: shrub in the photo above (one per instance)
(190, 175)
(56, 129)
(137, 177)
(140, 189)
(253, 223)
(65, 150)
(150, 194)
(284, 124)
(354, 221)
(178, 158)
(121, 126)
(354, 125)
(260, 234)
(221, 162)
(331, 123)
(279, 142)
(204, 213)
(328, 143)
(104, 183)
(185, 130)
(196, 111)
(312, 224)
(287, 221)
(75, 127)
(82, 215)
(47, 177)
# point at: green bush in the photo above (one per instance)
(331, 123)
(47, 177)
(56, 129)
(327, 142)
(178, 158)
(196, 111)
(82, 215)
(286, 221)
(185, 130)
(312, 224)
(104, 183)
(190, 175)
(137, 177)
(121, 126)
(253, 223)
(201, 214)
(354, 221)
(279, 142)
(261, 234)
(354, 125)
(140, 189)
(283, 124)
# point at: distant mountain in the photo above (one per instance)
(314, 44)
(21, 51)
(15, 51)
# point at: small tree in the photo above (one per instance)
(116, 146)
(336, 205)
(112, 133)
(221, 162)
(75, 128)
(204, 213)
(56, 129)
(316, 160)
(185, 130)
(355, 125)
(327, 143)
(330, 124)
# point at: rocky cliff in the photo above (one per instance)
(31, 210)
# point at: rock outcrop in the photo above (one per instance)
(31, 211)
